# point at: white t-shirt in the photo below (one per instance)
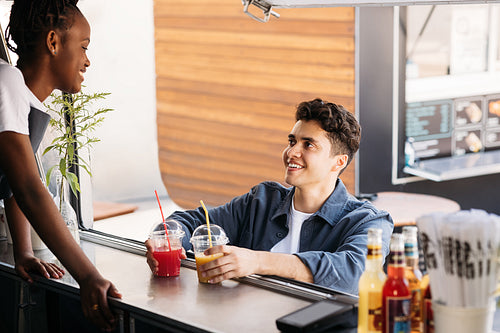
(291, 243)
(15, 100)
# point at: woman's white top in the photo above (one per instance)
(291, 242)
(15, 100)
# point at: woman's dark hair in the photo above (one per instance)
(342, 127)
(30, 21)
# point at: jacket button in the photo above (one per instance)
(279, 234)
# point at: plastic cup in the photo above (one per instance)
(167, 248)
(201, 242)
(463, 320)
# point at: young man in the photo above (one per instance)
(314, 231)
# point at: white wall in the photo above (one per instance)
(125, 162)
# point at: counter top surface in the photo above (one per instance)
(231, 306)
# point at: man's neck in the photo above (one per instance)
(310, 200)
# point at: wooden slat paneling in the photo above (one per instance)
(227, 88)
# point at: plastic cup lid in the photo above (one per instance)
(173, 228)
(201, 233)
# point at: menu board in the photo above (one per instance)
(453, 127)
(429, 124)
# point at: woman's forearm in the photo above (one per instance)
(19, 228)
(33, 198)
(55, 234)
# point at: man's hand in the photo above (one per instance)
(94, 292)
(236, 262)
(29, 263)
(152, 262)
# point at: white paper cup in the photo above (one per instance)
(463, 320)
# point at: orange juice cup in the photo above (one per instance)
(202, 241)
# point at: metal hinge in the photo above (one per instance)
(266, 8)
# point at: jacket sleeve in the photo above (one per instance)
(341, 270)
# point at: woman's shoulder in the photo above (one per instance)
(10, 75)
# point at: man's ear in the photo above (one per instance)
(340, 163)
(52, 42)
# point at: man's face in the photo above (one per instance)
(308, 158)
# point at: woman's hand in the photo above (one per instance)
(94, 292)
(150, 259)
(29, 263)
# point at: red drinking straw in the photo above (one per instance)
(163, 219)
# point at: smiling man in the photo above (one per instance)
(313, 231)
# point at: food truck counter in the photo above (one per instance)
(176, 303)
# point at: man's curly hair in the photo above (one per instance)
(342, 127)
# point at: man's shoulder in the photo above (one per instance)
(271, 188)
(355, 203)
(364, 210)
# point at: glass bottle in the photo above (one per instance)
(370, 286)
(414, 277)
(67, 212)
(396, 296)
(428, 315)
(410, 153)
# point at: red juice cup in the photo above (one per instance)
(167, 249)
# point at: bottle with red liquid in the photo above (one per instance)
(396, 295)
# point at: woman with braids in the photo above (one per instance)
(51, 38)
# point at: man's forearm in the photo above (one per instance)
(284, 265)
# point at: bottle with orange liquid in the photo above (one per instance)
(396, 296)
(370, 286)
(428, 315)
(414, 277)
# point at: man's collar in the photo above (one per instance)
(330, 211)
(333, 207)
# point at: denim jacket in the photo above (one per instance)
(332, 240)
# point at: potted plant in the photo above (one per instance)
(73, 122)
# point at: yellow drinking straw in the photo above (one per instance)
(208, 223)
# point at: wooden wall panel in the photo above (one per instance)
(227, 88)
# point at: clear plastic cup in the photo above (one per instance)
(201, 242)
(167, 247)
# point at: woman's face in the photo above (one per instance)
(70, 60)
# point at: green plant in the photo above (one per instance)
(74, 122)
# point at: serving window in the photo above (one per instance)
(448, 124)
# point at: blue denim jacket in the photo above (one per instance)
(332, 241)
